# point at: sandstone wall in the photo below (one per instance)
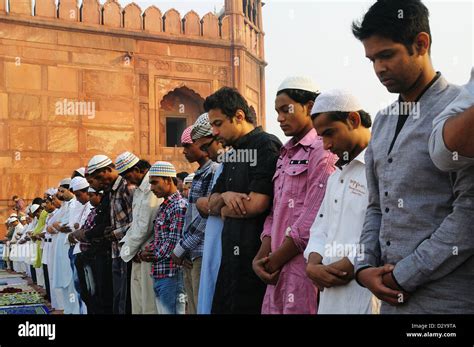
(119, 62)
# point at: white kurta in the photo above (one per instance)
(335, 234)
(144, 209)
(62, 276)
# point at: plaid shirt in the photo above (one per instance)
(168, 228)
(88, 225)
(192, 242)
(121, 196)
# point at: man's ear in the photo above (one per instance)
(239, 116)
(422, 43)
(354, 119)
(309, 106)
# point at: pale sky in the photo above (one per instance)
(313, 38)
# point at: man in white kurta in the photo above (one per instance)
(144, 209)
(335, 233)
(63, 276)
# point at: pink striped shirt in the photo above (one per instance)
(299, 185)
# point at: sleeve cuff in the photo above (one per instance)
(179, 251)
(407, 275)
(398, 284)
(314, 247)
(300, 243)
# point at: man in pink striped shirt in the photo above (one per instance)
(299, 186)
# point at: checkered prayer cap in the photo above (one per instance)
(186, 136)
(201, 128)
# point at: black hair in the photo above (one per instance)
(365, 118)
(229, 100)
(102, 169)
(182, 175)
(15, 197)
(398, 20)
(37, 201)
(300, 96)
(142, 166)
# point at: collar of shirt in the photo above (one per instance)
(340, 164)
(145, 184)
(203, 168)
(360, 158)
(173, 197)
(117, 183)
(428, 86)
(308, 140)
(246, 139)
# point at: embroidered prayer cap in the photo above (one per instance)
(125, 161)
(162, 169)
(98, 162)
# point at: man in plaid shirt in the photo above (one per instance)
(191, 245)
(169, 222)
(102, 170)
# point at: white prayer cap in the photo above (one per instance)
(98, 162)
(92, 190)
(22, 218)
(12, 219)
(299, 82)
(336, 100)
(78, 183)
(51, 191)
(189, 178)
(13, 215)
(34, 207)
(81, 171)
(65, 182)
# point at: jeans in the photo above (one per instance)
(121, 274)
(170, 296)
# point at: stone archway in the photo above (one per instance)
(178, 109)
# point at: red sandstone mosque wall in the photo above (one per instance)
(79, 81)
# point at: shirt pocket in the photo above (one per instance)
(296, 184)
